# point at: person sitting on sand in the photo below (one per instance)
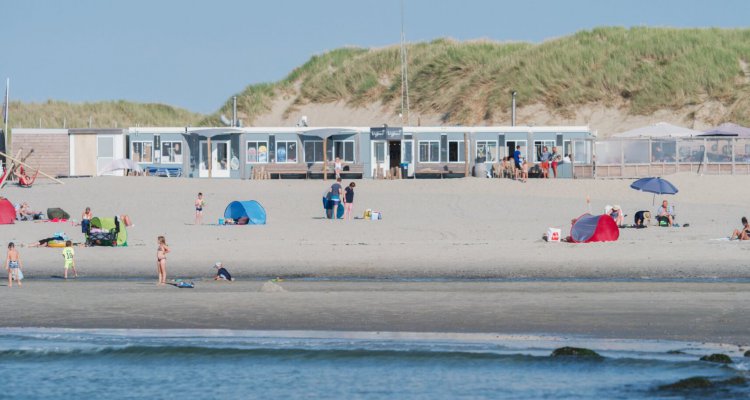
(25, 213)
(222, 273)
(742, 233)
(616, 213)
(665, 213)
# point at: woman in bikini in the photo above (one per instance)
(161, 260)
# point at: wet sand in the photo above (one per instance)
(712, 312)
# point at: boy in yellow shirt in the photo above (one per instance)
(68, 253)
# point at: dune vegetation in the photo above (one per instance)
(641, 70)
(104, 114)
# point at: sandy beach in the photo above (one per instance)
(431, 228)
(450, 230)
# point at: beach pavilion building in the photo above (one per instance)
(305, 152)
(365, 152)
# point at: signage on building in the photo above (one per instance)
(386, 133)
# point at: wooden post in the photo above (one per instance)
(209, 156)
(9, 168)
(466, 154)
(325, 158)
(29, 166)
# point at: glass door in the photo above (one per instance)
(407, 155)
(220, 159)
(380, 159)
(105, 153)
(203, 160)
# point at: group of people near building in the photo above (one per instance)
(517, 167)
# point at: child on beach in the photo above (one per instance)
(349, 201)
(68, 255)
(199, 204)
(13, 265)
(161, 260)
(222, 273)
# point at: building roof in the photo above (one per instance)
(658, 130)
(728, 129)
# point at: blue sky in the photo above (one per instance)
(196, 54)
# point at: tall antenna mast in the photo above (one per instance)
(404, 72)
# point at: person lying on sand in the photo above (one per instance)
(742, 233)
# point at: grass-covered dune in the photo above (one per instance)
(105, 114)
(641, 69)
(638, 70)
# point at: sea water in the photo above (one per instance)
(220, 364)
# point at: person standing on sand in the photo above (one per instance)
(68, 255)
(13, 265)
(336, 195)
(199, 204)
(161, 260)
(556, 159)
(517, 160)
(86, 220)
(349, 201)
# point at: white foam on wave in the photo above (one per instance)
(532, 344)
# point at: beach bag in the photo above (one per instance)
(368, 214)
(554, 234)
(20, 274)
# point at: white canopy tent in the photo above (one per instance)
(658, 130)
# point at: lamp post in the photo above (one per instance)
(513, 108)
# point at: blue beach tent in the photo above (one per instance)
(250, 208)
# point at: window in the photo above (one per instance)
(142, 152)
(313, 151)
(487, 150)
(456, 151)
(344, 149)
(171, 152)
(257, 152)
(539, 146)
(286, 151)
(429, 151)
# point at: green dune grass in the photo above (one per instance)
(641, 69)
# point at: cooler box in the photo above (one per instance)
(553, 235)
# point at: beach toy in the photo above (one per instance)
(221, 221)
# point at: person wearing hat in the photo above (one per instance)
(616, 214)
(222, 273)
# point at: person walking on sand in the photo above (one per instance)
(161, 260)
(13, 265)
(336, 195)
(68, 255)
(199, 204)
(349, 201)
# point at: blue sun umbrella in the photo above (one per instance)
(654, 185)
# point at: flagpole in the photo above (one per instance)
(6, 105)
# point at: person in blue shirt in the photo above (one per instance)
(665, 212)
(517, 157)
